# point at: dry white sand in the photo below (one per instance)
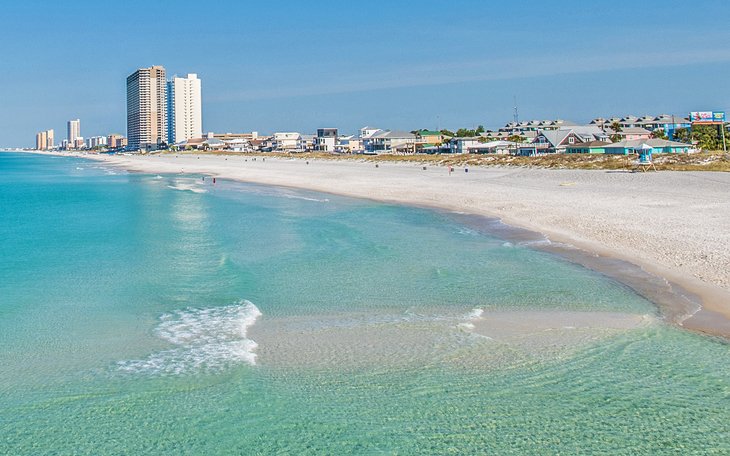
(673, 224)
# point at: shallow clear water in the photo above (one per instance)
(168, 315)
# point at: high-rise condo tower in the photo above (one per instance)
(184, 109)
(146, 108)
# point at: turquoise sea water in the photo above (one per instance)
(144, 314)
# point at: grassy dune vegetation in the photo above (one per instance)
(705, 161)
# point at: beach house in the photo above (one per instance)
(669, 124)
(326, 139)
(630, 133)
(390, 142)
(479, 145)
(305, 143)
(366, 132)
(658, 146)
(429, 137)
(534, 126)
(665, 122)
(349, 144)
(557, 141)
(428, 140)
(285, 141)
(591, 147)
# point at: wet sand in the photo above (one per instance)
(486, 339)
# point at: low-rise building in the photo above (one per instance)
(286, 141)
(479, 145)
(237, 144)
(305, 143)
(202, 144)
(390, 142)
(230, 136)
(325, 140)
(591, 147)
(429, 137)
(629, 133)
(349, 144)
(520, 128)
(366, 132)
(115, 141)
(96, 141)
(665, 122)
(557, 141)
(658, 146)
(495, 147)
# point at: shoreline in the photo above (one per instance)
(683, 299)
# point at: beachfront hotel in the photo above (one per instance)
(73, 130)
(184, 109)
(147, 108)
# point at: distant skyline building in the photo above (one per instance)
(115, 141)
(96, 141)
(40, 140)
(184, 109)
(147, 108)
(44, 140)
(73, 128)
(50, 139)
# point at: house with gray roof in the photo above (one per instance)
(390, 142)
(630, 133)
(557, 141)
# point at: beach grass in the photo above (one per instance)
(705, 161)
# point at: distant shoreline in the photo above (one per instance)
(647, 222)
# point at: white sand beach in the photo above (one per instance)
(675, 225)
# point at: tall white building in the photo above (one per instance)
(147, 108)
(96, 141)
(50, 141)
(184, 109)
(73, 128)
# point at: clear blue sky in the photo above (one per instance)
(296, 65)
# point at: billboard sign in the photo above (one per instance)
(707, 117)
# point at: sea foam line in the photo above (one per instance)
(471, 317)
(188, 188)
(206, 340)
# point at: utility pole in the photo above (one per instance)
(724, 144)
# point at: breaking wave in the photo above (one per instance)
(206, 340)
(474, 315)
(187, 187)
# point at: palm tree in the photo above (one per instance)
(616, 127)
(659, 134)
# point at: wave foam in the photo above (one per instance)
(471, 317)
(210, 340)
(475, 314)
(188, 188)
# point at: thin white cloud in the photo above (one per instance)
(478, 70)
